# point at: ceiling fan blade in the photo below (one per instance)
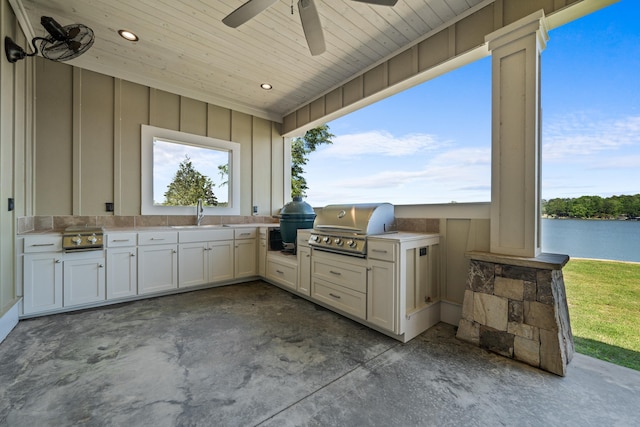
(246, 12)
(312, 26)
(379, 2)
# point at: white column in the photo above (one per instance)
(516, 140)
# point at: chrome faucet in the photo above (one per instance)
(199, 211)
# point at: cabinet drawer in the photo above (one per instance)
(158, 238)
(121, 240)
(282, 273)
(245, 233)
(350, 276)
(342, 298)
(384, 251)
(49, 243)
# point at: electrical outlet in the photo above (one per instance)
(11, 204)
(108, 206)
(423, 251)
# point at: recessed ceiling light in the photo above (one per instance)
(266, 86)
(128, 35)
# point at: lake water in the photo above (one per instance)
(614, 240)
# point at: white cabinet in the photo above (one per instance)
(340, 281)
(157, 261)
(204, 257)
(381, 294)
(245, 253)
(221, 265)
(42, 278)
(84, 278)
(304, 270)
(122, 265)
(304, 262)
(282, 269)
(402, 283)
(262, 251)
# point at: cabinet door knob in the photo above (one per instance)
(58, 261)
(100, 265)
(132, 255)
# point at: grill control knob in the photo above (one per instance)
(77, 240)
(315, 238)
(92, 239)
(338, 241)
(352, 244)
(327, 240)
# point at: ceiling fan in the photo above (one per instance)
(308, 16)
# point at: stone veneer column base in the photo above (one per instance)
(517, 307)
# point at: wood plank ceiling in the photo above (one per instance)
(184, 47)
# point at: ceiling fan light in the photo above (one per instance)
(128, 35)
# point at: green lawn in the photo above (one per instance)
(604, 307)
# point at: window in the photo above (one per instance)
(172, 161)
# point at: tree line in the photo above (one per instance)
(613, 207)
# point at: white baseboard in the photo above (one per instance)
(450, 312)
(9, 320)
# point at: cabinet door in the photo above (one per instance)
(157, 268)
(193, 264)
(42, 282)
(221, 260)
(381, 295)
(245, 258)
(262, 258)
(304, 270)
(84, 281)
(122, 272)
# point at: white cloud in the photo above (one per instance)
(380, 143)
(577, 136)
(459, 174)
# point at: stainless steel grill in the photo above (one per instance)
(344, 228)
(76, 239)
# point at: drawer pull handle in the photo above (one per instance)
(379, 250)
(337, 273)
(279, 271)
(245, 234)
(121, 240)
(42, 244)
(156, 238)
(334, 295)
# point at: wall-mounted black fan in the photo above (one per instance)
(64, 43)
(308, 16)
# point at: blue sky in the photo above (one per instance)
(409, 150)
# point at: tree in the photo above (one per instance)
(223, 171)
(300, 149)
(188, 186)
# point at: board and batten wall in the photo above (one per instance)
(87, 143)
(16, 130)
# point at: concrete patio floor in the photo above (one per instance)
(252, 354)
